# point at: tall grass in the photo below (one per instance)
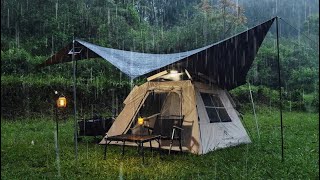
(22, 159)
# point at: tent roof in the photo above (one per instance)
(225, 63)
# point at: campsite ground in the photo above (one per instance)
(22, 159)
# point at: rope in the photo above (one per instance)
(254, 112)
(299, 32)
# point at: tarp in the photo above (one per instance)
(225, 63)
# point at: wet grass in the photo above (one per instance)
(22, 159)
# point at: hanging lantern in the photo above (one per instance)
(140, 121)
(62, 102)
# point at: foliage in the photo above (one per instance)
(33, 30)
(28, 150)
(295, 12)
(311, 27)
(15, 61)
(261, 95)
(264, 96)
(29, 96)
(315, 100)
(299, 66)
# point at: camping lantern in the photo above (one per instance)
(61, 102)
(173, 72)
(140, 121)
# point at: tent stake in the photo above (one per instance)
(280, 93)
(75, 102)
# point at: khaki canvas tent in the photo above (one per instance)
(210, 119)
(223, 64)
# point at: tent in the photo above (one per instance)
(210, 119)
(224, 64)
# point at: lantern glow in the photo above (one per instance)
(173, 72)
(140, 121)
(61, 102)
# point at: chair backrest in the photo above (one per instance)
(164, 125)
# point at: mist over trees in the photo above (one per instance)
(149, 26)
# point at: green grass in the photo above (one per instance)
(258, 160)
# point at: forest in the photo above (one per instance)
(33, 30)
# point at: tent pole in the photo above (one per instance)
(75, 102)
(280, 93)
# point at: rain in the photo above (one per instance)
(245, 72)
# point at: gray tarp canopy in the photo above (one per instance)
(225, 63)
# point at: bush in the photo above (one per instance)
(15, 61)
(260, 94)
(33, 96)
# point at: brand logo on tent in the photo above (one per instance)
(226, 135)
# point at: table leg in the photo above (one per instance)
(159, 148)
(124, 142)
(105, 151)
(150, 146)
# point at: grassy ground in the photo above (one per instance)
(22, 159)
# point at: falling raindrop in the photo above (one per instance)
(131, 83)
(299, 27)
(116, 112)
(87, 148)
(57, 10)
(21, 10)
(17, 35)
(52, 45)
(113, 103)
(305, 10)
(57, 153)
(8, 22)
(108, 16)
(121, 171)
(276, 7)
(116, 11)
(91, 76)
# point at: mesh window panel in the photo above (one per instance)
(215, 109)
(223, 115)
(212, 113)
(206, 99)
(216, 101)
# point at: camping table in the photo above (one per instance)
(139, 139)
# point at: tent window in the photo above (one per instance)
(215, 109)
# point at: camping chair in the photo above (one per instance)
(169, 128)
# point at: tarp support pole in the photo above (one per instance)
(75, 102)
(280, 93)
